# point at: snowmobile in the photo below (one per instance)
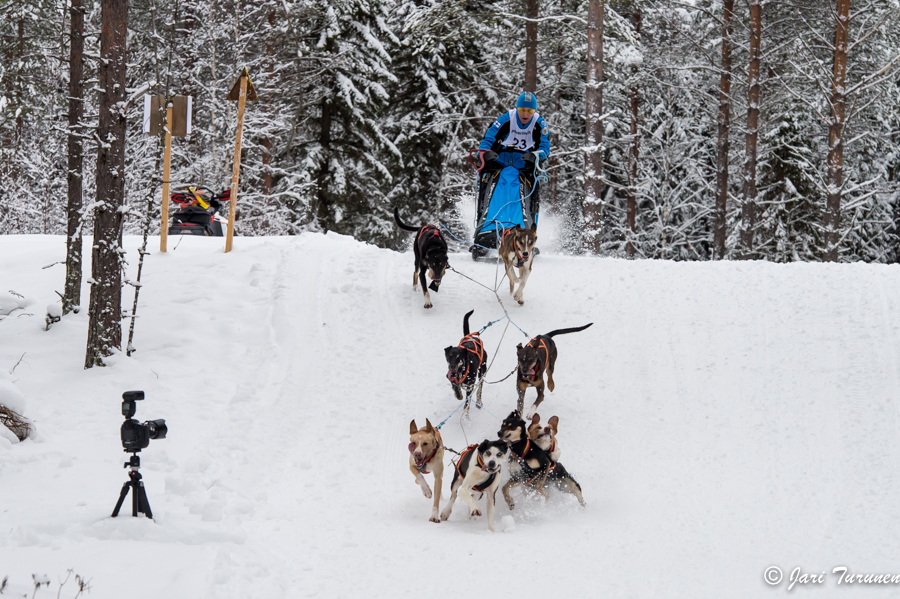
(197, 212)
(503, 203)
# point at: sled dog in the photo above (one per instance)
(543, 434)
(430, 250)
(535, 358)
(477, 470)
(529, 465)
(426, 456)
(466, 363)
(517, 251)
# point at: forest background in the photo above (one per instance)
(718, 129)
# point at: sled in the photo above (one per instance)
(505, 206)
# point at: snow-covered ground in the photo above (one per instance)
(721, 418)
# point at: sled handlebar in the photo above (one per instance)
(480, 158)
(481, 152)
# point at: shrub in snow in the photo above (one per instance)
(54, 314)
(10, 302)
(13, 426)
(42, 581)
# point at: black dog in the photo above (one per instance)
(467, 362)
(530, 465)
(430, 253)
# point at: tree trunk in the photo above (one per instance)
(323, 210)
(72, 294)
(634, 152)
(835, 132)
(266, 161)
(19, 85)
(554, 137)
(266, 141)
(748, 212)
(532, 8)
(593, 166)
(14, 91)
(104, 326)
(724, 124)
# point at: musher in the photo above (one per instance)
(523, 130)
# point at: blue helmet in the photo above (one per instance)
(527, 100)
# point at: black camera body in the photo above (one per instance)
(137, 435)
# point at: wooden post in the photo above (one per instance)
(167, 162)
(236, 170)
(241, 92)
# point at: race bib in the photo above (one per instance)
(520, 139)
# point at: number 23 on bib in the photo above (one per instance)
(519, 138)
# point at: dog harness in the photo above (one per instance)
(471, 343)
(537, 348)
(433, 453)
(465, 454)
(525, 466)
(521, 458)
(428, 230)
(520, 261)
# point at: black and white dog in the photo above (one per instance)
(530, 465)
(477, 470)
(466, 363)
(430, 250)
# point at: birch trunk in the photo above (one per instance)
(634, 151)
(593, 166)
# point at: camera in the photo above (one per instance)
(137, 435)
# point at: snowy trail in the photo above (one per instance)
(721, 418)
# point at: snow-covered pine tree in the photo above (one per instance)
(32, 130)
(563, 63)
(449, 87)
(339, 145)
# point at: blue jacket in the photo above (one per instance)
(500, 129)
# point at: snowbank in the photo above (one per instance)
(721, 418)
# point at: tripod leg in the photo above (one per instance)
(144, 502)
(121, 498)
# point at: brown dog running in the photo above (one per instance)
(544, 435)
(426, 455)
(529, 465)
(534, 359)
(517, 251)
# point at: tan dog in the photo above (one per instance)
(517, 251)
(544, 435)
(426, 456)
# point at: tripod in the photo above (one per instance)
(139, 503)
